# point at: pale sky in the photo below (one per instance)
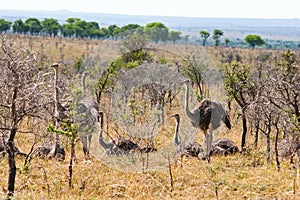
(188, 8)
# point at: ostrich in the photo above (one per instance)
(117, 146)
(207, 116)
(59, 115)
(192, 149)
(224, 146)
(89, 108)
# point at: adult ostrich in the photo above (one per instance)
(224, 146)
(193, 149)
(88, 116)
(117, 146)
(207, 116)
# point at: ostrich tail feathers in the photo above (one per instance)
(227, 122)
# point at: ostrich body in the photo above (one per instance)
(207, 116)
(117, 146)
(224, 146)
(193, 149)
(44, 151)
(90, 108)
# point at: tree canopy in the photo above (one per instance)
(174, 35)
(254, 40)
(4, 25)
(217, 35)
(34, 25)
(204, 35)
(157, 31)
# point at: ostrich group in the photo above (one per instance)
(207, 116)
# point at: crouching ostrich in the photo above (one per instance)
(224, 146)
(193, 149)
(117, 146)
(207, 116)
(121, 145)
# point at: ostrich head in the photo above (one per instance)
(100, 117)
(55, 66)
(186, 81)
(177, 118)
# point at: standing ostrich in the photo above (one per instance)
(59, 115)
(192, 149)
(90, 109)
(207, 116)
(118, 146)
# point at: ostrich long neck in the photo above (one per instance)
(176, 139)
(56, 96)
(56, 102)
(104, 144)
(186, 106)
(83, 77)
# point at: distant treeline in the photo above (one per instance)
(78, 28)
(154, 31)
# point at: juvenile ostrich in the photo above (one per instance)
(59, 115)
(48, 149)
(193, 149)
(118, 146)
(89, 108)
(207, 116)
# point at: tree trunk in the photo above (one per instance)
(256, 134)
(243, 143)
(71, 161)
(276, 149)
(268, 150)
(11, 163)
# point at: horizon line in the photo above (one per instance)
(148, 15)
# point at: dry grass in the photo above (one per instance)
(241, 176)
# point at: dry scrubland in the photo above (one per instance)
(240, 176)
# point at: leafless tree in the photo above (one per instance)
(21, 96)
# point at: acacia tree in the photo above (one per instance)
(204, 35)
(4, 25)
(217, 34)
(196, 69)
(20, 27)
(34, 25)
(174, 35)
(157, 31)
(240, 87)
(20, 97)
(254, 40)
(50, 26)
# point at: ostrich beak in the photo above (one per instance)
(186, 81)
(173, 115)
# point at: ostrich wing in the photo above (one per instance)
(203, 113)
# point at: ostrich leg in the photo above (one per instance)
(209, 139)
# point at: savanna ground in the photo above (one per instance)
(241, 176)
